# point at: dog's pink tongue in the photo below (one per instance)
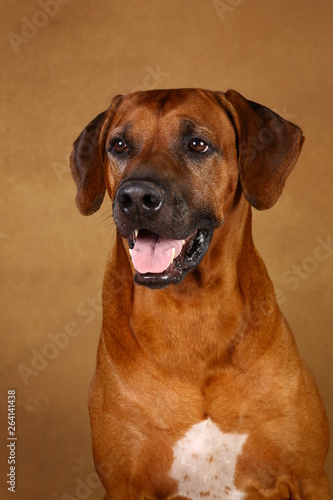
(153, 253)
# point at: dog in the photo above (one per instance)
(199, 390)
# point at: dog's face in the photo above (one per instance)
(168, 171)
(171, 161)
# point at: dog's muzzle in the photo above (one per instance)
(158, 257)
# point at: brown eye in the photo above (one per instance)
(198, 146)
(120, 146)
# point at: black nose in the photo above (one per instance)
(140, 197)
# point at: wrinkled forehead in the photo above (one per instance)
(169, 112)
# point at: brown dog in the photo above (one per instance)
(199, 390)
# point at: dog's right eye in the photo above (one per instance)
(119, 146)
(197, 145)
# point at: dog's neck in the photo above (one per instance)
(162, 322)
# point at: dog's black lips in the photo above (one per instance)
(193, 251)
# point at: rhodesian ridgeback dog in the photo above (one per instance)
(199, 390)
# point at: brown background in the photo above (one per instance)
(52, 259)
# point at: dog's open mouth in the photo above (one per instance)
(160, 261)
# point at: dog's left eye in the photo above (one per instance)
(198, 146)
(120, 147)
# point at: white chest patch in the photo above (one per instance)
(205, 462)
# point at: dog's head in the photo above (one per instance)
(171, 161)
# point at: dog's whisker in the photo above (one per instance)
(105, 220)
(105, 212)
(112, 228)
(106, 215)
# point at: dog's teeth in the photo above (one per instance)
(173, 254)
(136, 232)
(183, 242)
(130, 251)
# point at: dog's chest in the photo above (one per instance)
(205, 462)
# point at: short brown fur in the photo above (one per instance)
(216, 344)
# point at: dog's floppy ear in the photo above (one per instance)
(268, 147)
(86, 161)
